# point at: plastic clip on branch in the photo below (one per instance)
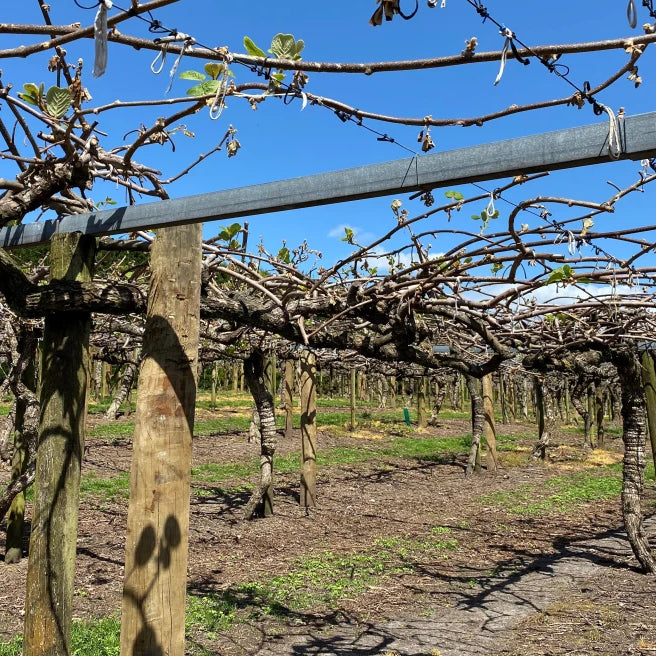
(100, 38)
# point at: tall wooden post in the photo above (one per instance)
(63, 400)
(235, 376)
(308, 429)
(288, 395)
(153, 609)
(352, 398)
(422, 388)
(648, 372)
(26, 423)
(213, 383)
(489, 426)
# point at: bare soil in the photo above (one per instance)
(563, 583)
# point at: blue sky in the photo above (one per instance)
(282, 141)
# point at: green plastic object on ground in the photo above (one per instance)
(406, 416)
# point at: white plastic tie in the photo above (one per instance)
(154, 66)
(632, 13)
(100, 38)
(490, 210)
(504, 53)
(614, 143)
(571, 243)
(189, 41)
(218, 104)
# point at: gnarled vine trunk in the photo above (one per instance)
(634, 426)
(478, 422)
(261, 501)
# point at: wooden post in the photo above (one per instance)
(352, 398)
(63, 400)
(26, 423)
(213, 383)
(288, 395)
(422, 385)
(308, 429)
(235, 376)
(153, 609)
(648, 373)
(489, 426)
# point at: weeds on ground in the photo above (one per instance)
(562, 493)
(93, 638)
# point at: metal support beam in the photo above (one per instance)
(542, 152)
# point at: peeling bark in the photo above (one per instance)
(478, 420)
(261, 501)
(634, 437)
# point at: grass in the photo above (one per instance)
(562, 493)
(108, 489)
(319, 580)
(99, 637)
(322, 579)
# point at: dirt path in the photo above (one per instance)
(484, 619)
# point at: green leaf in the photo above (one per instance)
(204, 89)
(197, 76)
(229, 232)
(496, 267)
(349, 236)
(213, 70)
(300, 44)
(556, 276)
(252, 49)
(32, 93)
(278, 77)
(31, 89)
(284, 255)
(234, 229)
(58, 101)
(28, 99)
(283, 46)
(476, 217)
(454, 195)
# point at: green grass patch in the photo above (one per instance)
(88, 638)
(562, 493)
(113, 429)
(107, 489)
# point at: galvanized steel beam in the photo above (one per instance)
(532, 154)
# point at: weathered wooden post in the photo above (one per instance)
(422, 388)
(489, 426)
(26, 423)
(154, 592)
(308, 429)
(63, 400)
(648, 372)
(288, 392)
(352, 398)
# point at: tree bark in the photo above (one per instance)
(489, 425)
(634, 437)
(422, 417)
(123, 392)
(63, 403)
(352, 398)
(477, 412)
(308, 430)
(154, 590)
(546, 418)
(648, 373)
(288, 397)
(261, 501)
(26, 429)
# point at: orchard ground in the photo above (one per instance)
(403, 554)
